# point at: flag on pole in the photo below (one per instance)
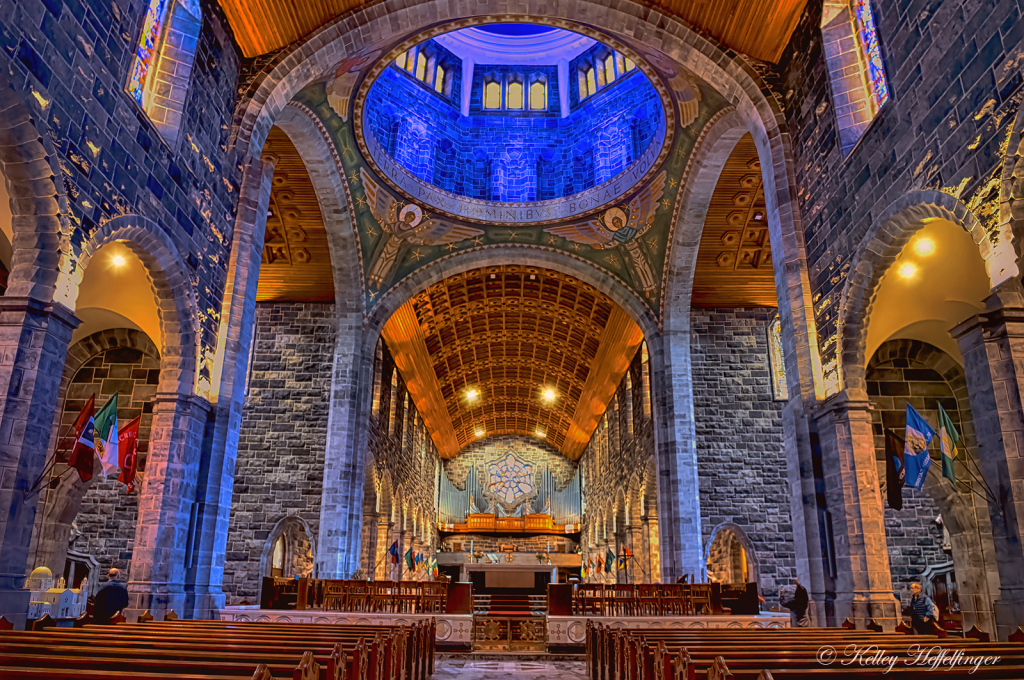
(949, 442)
(583, 571)
(84, 448)
(894, 470)
(609, 561)
(915, 454)
(106, 435)
(600, 565)
(408, 559)
(434, 571)
(393, 551)
(127, 450)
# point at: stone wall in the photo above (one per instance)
(740, 454)
(70, 60)
(955, 81)
(283, 436)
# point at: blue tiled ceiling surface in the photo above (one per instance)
(518, 156)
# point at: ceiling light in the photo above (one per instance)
(119, 260)
(924, 246)
(472, 394)
(907, 270)
(541, 432)
(548, 395)
(479, 432)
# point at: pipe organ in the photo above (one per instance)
(564, 506)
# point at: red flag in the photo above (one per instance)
(127, 449)
(85, 448)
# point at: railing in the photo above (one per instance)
(375, 597)
(484, 523)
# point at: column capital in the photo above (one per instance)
(842, 403)
(38, 308)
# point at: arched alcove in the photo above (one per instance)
(731, 557)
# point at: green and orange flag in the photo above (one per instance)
(949, 443)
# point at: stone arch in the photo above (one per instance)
(1011, 192)
(172, 287)
(965, 515)
(620, 517)
(39, 206)
(722, 544)
(62, 504)
(297, 556)
(879, 248)
(634, 501)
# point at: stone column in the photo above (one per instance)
(382, 559)
(863, 581)
(654, 548)
(992, 344)
(637, 569)
(166, 500)
(371, 522)
(402, 547)
(34, 339)
(238, 312)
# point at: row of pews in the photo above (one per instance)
(792, 654)
(216, 650)
(373, 597)
(664, 599)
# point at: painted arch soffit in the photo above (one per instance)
(649, 208)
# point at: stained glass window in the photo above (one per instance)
(400, 62)
(410, 61)
(872, 52)
(515, 96)
(538, 95)
(510, 478)
(609, 69)
(146, 53)
(629, 65)
(591, 82)
(777, 361)
(421, 66)
(620, 63)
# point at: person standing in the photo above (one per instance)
(923, 612)
(111, 599)
(798, 605)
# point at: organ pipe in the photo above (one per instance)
(565, 505)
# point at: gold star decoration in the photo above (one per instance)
(612, 260)
(360, 200)
(451, 247)
(371, 231)
(417, 254)
(551, 240)
(652, 242)
(479, 241)
(373, 294)
(511, 235)
(672, 183)
(575, 246)
(665, 202)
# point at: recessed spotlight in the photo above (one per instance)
(118, 260)
(907, 270)
(479, 432)
(924, 246)
(548, 395)
(472, 394)
(541, 433)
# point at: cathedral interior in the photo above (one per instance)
(562, 305)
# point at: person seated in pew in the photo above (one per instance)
(798, 605)
(111, 599)
(923, 612)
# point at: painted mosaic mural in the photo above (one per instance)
(627, 237)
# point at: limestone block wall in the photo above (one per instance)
(279, 470)
(742, 465)
(954, 75)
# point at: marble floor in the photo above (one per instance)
(462, 669)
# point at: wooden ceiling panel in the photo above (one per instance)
(734, 262)
(759, 28)
(296, 263)
(510, 332)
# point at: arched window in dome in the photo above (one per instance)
(538, 95)
(162, 69)
(421, 66)
(410, 62)
(629, 64)
(492, 94)
(609, 69)
(439, 79)
(620, 64)
(400, 61)
(514, 96)
(587, 81)
(645, 374)
(853, 53)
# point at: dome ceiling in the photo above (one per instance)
(479, 350)
(758, 28)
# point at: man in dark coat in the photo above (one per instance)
(798, 605)
(111, 599)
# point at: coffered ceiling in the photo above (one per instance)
(734, 262)
(759, 28)
(509, 333)
(296, 261)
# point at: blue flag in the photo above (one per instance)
(915, 453)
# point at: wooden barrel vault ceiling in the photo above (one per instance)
(509, 333)
(759, 28)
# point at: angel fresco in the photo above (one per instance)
(403, 224)
(622, 226)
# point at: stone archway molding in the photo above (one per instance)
(282, 526)
(172, 288)
(877, 251)
(753, 566)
